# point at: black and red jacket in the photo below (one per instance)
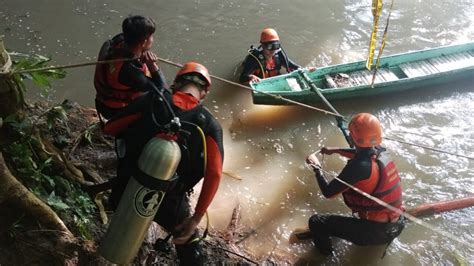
(255, 61)
(372, 171)
(119, 83)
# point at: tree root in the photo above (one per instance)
(13, 193)
(46, 149)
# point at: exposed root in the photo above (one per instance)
(46, 149)
(13, 193)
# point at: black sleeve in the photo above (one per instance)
(250, 65)
(215, 131)
(292, 65)
(132, 75)
(159, 79)
(356, 170)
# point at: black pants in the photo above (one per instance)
(358, 231)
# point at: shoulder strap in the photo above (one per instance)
(255, 54)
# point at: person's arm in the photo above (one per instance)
(212, 178)
(345, 152)
(353, 172)
(292, 65)
(151, 59)
(249, 66)
(132, 75)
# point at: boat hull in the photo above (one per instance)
(402, 69)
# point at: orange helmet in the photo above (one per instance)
(366, 130)
(193, 67)
(269, 35)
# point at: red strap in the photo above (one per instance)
(167, 136)
(115, 126)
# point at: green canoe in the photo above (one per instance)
(396, 73)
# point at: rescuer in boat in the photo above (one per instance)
(202, 153)
(266, 60)
(371, 170)
(117, 84)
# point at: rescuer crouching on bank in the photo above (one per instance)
(201, 145)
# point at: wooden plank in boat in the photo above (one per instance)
(412, 70)
(464, 59)
(425, 68)
(354, 79)
(387, 74)
(453, 63)
(366, 76)
(428, 66)
(441, 63)
(381, 75)
(357, 76)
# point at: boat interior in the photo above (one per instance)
(411, 69)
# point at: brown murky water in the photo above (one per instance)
(265, 145)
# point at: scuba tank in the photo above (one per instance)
(140, 201)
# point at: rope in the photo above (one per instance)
(335, 113)
(340, 119)
(67, 66)
(262, 92)
(408, 216)
(382, 46)
(428, 148)
(376, 12)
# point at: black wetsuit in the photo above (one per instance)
(252, 66)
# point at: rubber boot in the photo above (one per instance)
(321, 239)
(191, 254)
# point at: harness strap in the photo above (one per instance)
(259, 63)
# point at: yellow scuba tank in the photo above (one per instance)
(139, 203)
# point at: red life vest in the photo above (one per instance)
(110, 92)
(271, 67)
(384, 183)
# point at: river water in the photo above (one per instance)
(265, 145)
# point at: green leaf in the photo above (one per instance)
(56, 202)
(49, 179)
(40, 80)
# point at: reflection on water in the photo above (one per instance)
(266, 146)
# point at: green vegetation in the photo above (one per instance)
(42, 79)
(36, 166)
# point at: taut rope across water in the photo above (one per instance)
(335, 114)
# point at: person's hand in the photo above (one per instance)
(186, 229)
(312, 69)
(313, 161)
(253, 78)
(327, 151)
(150, 59)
